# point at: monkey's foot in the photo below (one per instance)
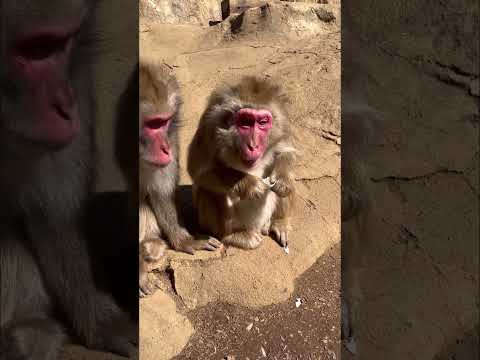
(148, 285)
(244, 239)
(279, 231)
(153, 249)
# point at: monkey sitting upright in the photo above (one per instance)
(241, 161)
(158, 170)
(48, 274)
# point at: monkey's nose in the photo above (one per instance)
(252, 147)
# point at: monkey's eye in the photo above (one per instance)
(156, 124)
(245, 122)
(263, 122)
(42, 46)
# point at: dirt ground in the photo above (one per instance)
(284, 331)
(413, 79)
(209, 299)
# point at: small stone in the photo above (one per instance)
(249, 327)
(264, 353)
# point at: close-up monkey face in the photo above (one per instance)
(251, 118)
(252, 127)
(154, 145)
(39, 103)
(159, 105)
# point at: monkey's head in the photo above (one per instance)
(39, 58)
(159, 108)
(252, 119)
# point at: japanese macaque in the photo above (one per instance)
(241, 160)
(49, 293)
(159, 170)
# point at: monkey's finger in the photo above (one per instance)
(215, 243)
(208, 247)
(189, 249)
(144, 293)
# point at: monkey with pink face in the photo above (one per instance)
(158, 175)
(241, 162)
(49, 293)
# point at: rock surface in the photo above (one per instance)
(290, 43)
(167, 325)
(419, 273)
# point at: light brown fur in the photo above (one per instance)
(221, 183)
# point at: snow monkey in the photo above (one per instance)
(241, 161)
(48, 291)
(159, 121)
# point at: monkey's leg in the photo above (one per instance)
(151, 250)
(280, 222)
(33, 339)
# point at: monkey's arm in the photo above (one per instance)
(224, 180)
(282, 174)
(166, 214)
(179, 237)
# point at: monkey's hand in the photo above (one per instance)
(280, 186)
(250, 187)
(183, 241)
(210, 244)
(190, 245)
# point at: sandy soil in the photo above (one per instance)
(284, 331)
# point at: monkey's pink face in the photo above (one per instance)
(39, 60)
(154, 138)
(253, 127)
